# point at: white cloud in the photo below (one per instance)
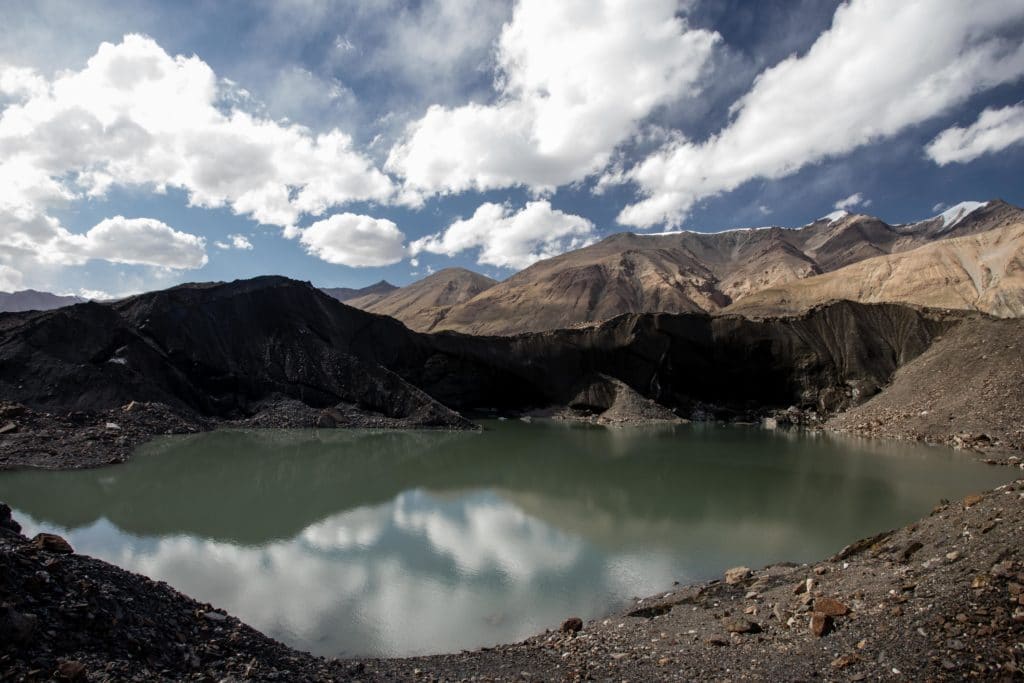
(351, 240)
(511, 240)
(131, 241)
(882, 67)
(855, 199)
(137, 116)
(995, 130)
(236, 242)
(574, 79)
(10, 279)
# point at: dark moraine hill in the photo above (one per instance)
(282, 353)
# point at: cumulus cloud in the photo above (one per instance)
(880, 68)
(508, 239)
(574, 79)
(131, 241)
(10, 279)
(854, 200)
(352, 240)
(135, 115)
(240, 242)
(995, 130)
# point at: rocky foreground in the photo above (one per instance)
(941, 599)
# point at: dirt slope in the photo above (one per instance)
(966, 390)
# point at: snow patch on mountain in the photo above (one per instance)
(958, 212)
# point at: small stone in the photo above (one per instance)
(572, 625)
(1018, 615)
(664, 661)
(618, 655)
(843, 661)
(736, 575)
(953, 556)
(911, 548)
(1002, 570)
(980, 581)
(71, 670)
(214, 616)
(8, 428)
(972, 500)
(821, 570)
(830, 607)
(821, 624)
(52, 543)
(717, 641)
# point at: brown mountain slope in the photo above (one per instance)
(422, 303)
(689, 271)
(366, 295)
(983, 272)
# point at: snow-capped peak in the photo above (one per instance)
(958, 212)
(834, 216)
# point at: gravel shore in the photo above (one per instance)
(940, 599)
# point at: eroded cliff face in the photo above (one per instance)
(224, 350)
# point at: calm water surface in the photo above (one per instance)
(395, 543)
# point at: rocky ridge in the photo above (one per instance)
(688, 271)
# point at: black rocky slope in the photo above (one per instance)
(214, 350)
(224, 350)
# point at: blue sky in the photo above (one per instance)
(147, 144)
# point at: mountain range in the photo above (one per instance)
(968, 257)
(31, 300)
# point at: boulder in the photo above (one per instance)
(830, 607)
(52, 543)
(737, 575)
(572, 625)
(821, 624)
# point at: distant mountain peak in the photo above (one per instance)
(958, 212)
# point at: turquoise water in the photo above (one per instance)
(367, 543)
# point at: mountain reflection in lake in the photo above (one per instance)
(397, 543)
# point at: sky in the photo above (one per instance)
(147, 144)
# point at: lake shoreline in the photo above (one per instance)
(82, 440)
(940, 597)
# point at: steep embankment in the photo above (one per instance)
(967, 390)
(688, 271)
(983, 272)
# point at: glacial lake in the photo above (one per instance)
(370, 543)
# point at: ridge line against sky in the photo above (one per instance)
(348, 142)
